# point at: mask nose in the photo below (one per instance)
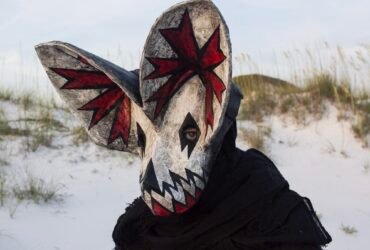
(149, 180)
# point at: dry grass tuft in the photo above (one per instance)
(7, 130)
(36, 190)
(6, 94)
(256, 138)
(361, 127)
(3, 189)
(79, 136)
(348, 229)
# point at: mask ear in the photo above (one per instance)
(104, 96)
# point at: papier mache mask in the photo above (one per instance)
(173, 112)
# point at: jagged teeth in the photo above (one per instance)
(164, 201)
(189, 188)
(178, 194)
(176, 189)
(199, 183)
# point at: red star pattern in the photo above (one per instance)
(112, 98)
(190, 61)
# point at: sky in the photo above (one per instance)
(117, 29)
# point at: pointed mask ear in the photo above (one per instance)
(104, 96)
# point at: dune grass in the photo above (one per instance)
(79, 136)
(6, 94)
(35, 121)
(30, 189)
(264, 97)
(315, 79)
(7, 130)
(256, 137)
(36, 190)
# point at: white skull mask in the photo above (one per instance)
(173, 112)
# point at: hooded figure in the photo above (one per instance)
(177, 112)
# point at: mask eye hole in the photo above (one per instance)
(141, 140)
(191, 133)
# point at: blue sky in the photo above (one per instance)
(257, 27)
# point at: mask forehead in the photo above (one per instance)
(188, 43)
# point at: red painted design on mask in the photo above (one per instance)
(159, 210)
(190, 202)
(112, 98)
(190, 61)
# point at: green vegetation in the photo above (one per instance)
(256, 138)
(36, 190)
(361, 126)
(35, 122)
(30, 189)
(79, 136)
(6, 94)
(3, 191)
(7, 130)
(29, 99)
(264, 96)
(317, 77)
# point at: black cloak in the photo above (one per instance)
(247, 204)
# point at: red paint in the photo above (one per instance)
(112, 98)
(180, 208)
(198, 193)
(84, 79)
(190, 61)
(190, 202)
(122, 122)
(159, 210)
